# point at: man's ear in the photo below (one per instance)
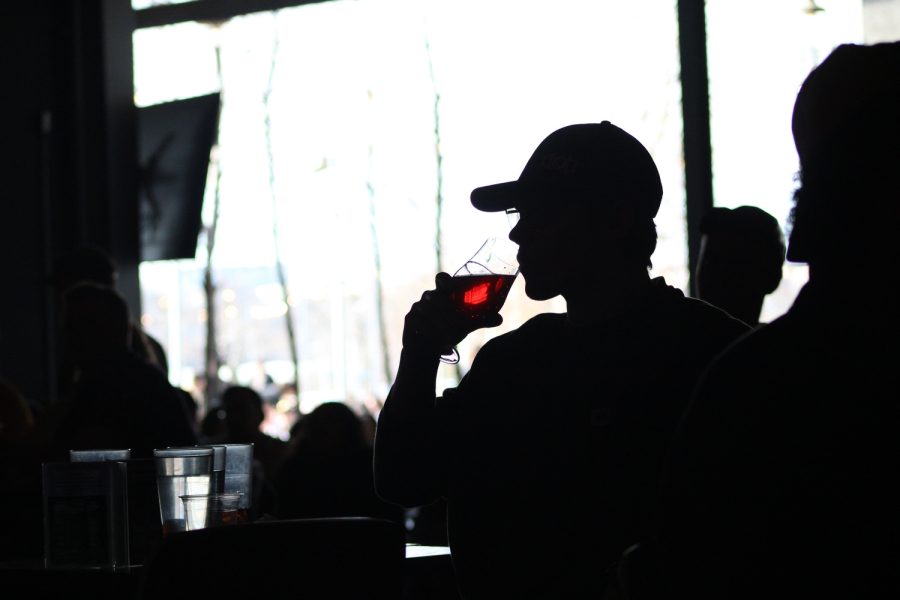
(771, 280)
(618, 219)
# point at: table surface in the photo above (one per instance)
(413, 551)
(417, 551)
(428, 573)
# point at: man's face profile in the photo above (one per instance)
(559, 243)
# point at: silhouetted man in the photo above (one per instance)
(741, 256)
(91, 264)
(243, 418)
(784, 479)
(548, 451)
(118, 400)
(329, 472)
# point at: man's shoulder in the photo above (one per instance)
(768, 346)
(146, 386)
(518, 348)
(131, 365)
(542, 324)
(692, 322)
(123, 374)
(670, 304)
(696, 311)
(538, 328)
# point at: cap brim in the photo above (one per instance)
(497, 197)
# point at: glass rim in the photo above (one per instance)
(229, 495)
(181, 452)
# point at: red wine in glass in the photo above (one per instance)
(480, 286)
(479, 295)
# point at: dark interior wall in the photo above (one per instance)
(23, 306)
(69, 166)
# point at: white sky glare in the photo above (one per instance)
(352, 105)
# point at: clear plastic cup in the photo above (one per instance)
(239, 474)
(211, 510)
(180, 472)
(217, 485)
(99, 455)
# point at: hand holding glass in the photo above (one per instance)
(480, 286)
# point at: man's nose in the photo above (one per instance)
(515, 234)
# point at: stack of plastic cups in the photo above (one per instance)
(213, 510)
(239, 477)
(180, 472)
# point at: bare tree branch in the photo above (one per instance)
(439, 157)
(379, 288)
(279, 265)
(211, 357)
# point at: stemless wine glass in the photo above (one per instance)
(481, 285)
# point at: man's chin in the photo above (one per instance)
(539, 293)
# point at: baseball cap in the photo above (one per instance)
(587, 162)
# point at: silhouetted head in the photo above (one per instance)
(333, 428)
(846, 126)
(86, 263)
(213, 426)
(586, 201)
(96, 322)
(243, 412)
(741, 257)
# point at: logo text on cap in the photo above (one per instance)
(563, 164)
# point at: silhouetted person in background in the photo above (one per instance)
(91, 264)
(243, 409)
(741, 257)
(783, 481)
(237, 421)
(329, 473)
(548, 450)
(118, 400)
(213, 428)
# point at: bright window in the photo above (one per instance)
(759, 54)
(352, 110)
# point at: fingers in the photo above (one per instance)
(425, 323)
(434, 323)
(491, 320)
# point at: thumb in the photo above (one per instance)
(442, 281)
(492, 320)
